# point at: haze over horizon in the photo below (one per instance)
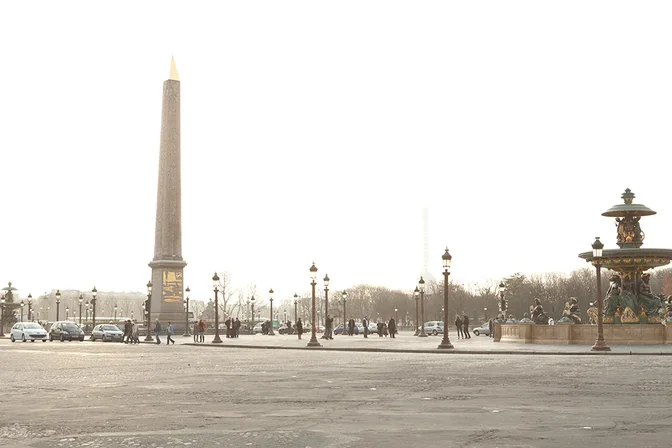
(318, 132)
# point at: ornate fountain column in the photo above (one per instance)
(168, 265)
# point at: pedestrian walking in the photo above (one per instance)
(136, 333)
(365, 324)
(201, 330)
(392, 327)
(491, 329)
(458, 324)
(157, 330)
(329, 330)
(195, 331)
(299, 327)
(236, 328)
(169, 333)
(465, 326)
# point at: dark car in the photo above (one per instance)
(65, 331)
(339, 330)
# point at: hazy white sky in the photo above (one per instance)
(317, 131)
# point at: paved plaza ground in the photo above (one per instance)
(75, 394)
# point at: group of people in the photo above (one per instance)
(131, 332)
(199, 330)
(462, 325)
(232, 327)
(169, 332)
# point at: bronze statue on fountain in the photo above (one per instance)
(537, 313)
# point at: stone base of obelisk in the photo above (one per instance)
(168, 294)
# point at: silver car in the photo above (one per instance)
(28, 331)
(106, 332)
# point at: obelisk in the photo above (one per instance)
(168, 265)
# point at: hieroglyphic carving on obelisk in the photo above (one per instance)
(168, 265)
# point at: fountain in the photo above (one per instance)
(632, 313)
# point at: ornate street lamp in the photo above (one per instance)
(2, 315)
(503, 306)
(58, 304)
(600, 344)
(81, 301)
(416, 295)
(215, 287)
(421, 287)
(186, 314)
(252, 301)
(296, 303)
(326, 304)
(94, 293)
(115, 313)
(445, 343)
(148, 312)
(344, 298)
(30, 308)
(270, 330)
(313, 339)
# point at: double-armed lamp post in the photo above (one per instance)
(445, 343)
(600, 344)
(313, 338)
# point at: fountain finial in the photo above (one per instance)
(628, 196)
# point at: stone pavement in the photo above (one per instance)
(405, 342)
(91, 395)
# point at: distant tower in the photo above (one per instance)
(168, 265)
(426, 274)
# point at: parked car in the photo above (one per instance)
(483, 329)
(257, 328)
(65, 331)
(107, 332)
(28, 331)
(434, 327)
(283, 329)
(339, 330)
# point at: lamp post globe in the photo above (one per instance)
(215, 287)
(148, 311)
(600, 344)
(313, 338)
(270, 329)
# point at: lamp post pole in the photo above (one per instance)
(81, 300)
(186, 314)
(326, 304)
(2, 316)
(445, 343)
(270, 330)
(252, 327)
(416, 295)
(148, 312)
(58, 304)
(30, 308)
(600, 344)
(115, 313)
(284, 316)
(296, 303)
(215, 283)
(344, 296)
(94, 293)
(313, 339)
(421, 286)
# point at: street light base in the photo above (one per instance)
(313, 342)
(271, 333)
(186, 335)
(600, 346)
(417, 333)
(446, 345)
(149, 339)
(423, 335)
(217, 340)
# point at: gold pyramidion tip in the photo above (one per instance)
(173, 70)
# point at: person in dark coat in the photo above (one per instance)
(392, 327)
(458, 324)
(228, 327)
(465, 326)
(236, 326)
(491, 328)
(379, 325)
(351, 327)
(299, 327)
(365, 324)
